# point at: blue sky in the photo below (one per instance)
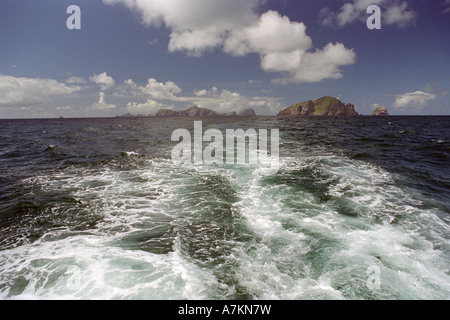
(139, 56)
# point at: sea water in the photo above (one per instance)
(96, 209)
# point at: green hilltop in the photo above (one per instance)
(325, 106)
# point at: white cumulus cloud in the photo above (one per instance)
(76, 80)
(153, 88)
(160, 90)
(271, 33)
(204, 92)
(150, 106)
(236, 27)
(393, 13)
(414, 100)
(196, 25)
(103, 80)
(399, 15)
(27, 92)
(101, 104)
(321, 64)
(228, 101)
(166, 95)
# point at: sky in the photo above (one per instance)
(113, 57)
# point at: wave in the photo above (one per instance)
(161, 231)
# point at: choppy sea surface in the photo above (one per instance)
(96, 209)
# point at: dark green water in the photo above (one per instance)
(95, 208)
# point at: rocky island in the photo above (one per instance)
(380, 111)
(249, 112)
(325, 106)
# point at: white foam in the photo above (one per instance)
(131, 153)
(401, 250)
(83, 267)
(302, 247)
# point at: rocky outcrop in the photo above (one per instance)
(166, 113)
(380, 111)
(195, 111)
(247, 113)
(325, 106)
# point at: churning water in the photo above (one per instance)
(96, 209)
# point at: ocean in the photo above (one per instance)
(359, 208)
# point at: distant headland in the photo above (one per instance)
(194, 111)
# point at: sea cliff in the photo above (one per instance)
(325, 106)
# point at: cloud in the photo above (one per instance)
(159, 90)
(399, 15)
(228, 101)
(414, 100)
(236, 27)
(195, 42)
(320, 65)
(203, 93)
(196, 25)
(26, 92)
(446, 3)
(76, 80)
(101, 104)
(375, 105)
(419, 99)
(327, 17)
(65, 108)
(394, 13)
(153, 89)
(435, 88)
(214, 99)
(288, 50)
(150, 106)
(103, 80)
(271, 33)
(186, 15)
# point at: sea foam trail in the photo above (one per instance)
(134, 250)
(321, 237)
(88, 267)
(161, 231)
